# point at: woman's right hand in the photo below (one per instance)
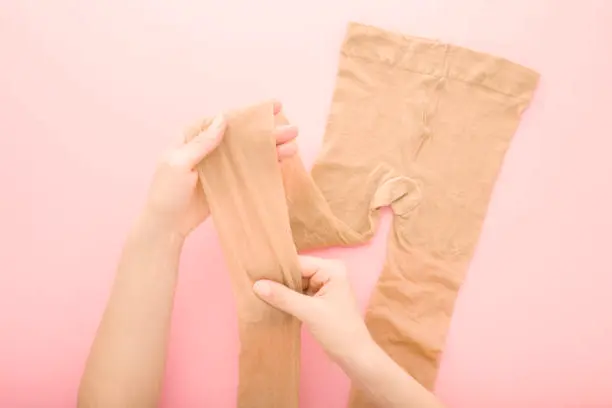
(328, 307)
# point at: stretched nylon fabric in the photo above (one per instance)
(243, 187)
(415, 124)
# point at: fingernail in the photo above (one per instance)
(262, 288)
(217, 124)
(287, 128)
(276, 106)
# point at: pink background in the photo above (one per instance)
(91, 93)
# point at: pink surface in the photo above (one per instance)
(91, 92)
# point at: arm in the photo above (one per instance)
(385, 382)
(125, 366)
(126, 363)
(329, 310)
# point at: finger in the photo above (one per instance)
(277, 107)
(205, 142)
(285, 133)
(282, 298)
(286, 150)
(310, 265)
(317, 272)
(317, 281)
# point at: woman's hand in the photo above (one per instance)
(327, 307)
(176, 201)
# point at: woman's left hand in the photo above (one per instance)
(176, 201)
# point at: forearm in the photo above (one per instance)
(384, 381)
(126, 363)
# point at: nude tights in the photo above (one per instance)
(414, 124)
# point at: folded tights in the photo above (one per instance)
(416, 125)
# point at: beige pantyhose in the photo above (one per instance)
(415, 124)
(244, 190)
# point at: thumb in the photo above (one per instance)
(205, 142)
(283, 298)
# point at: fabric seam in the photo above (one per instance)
(358, 57)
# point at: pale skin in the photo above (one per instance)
(125, 366)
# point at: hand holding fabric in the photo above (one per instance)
(327, 307)
(176, 199)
